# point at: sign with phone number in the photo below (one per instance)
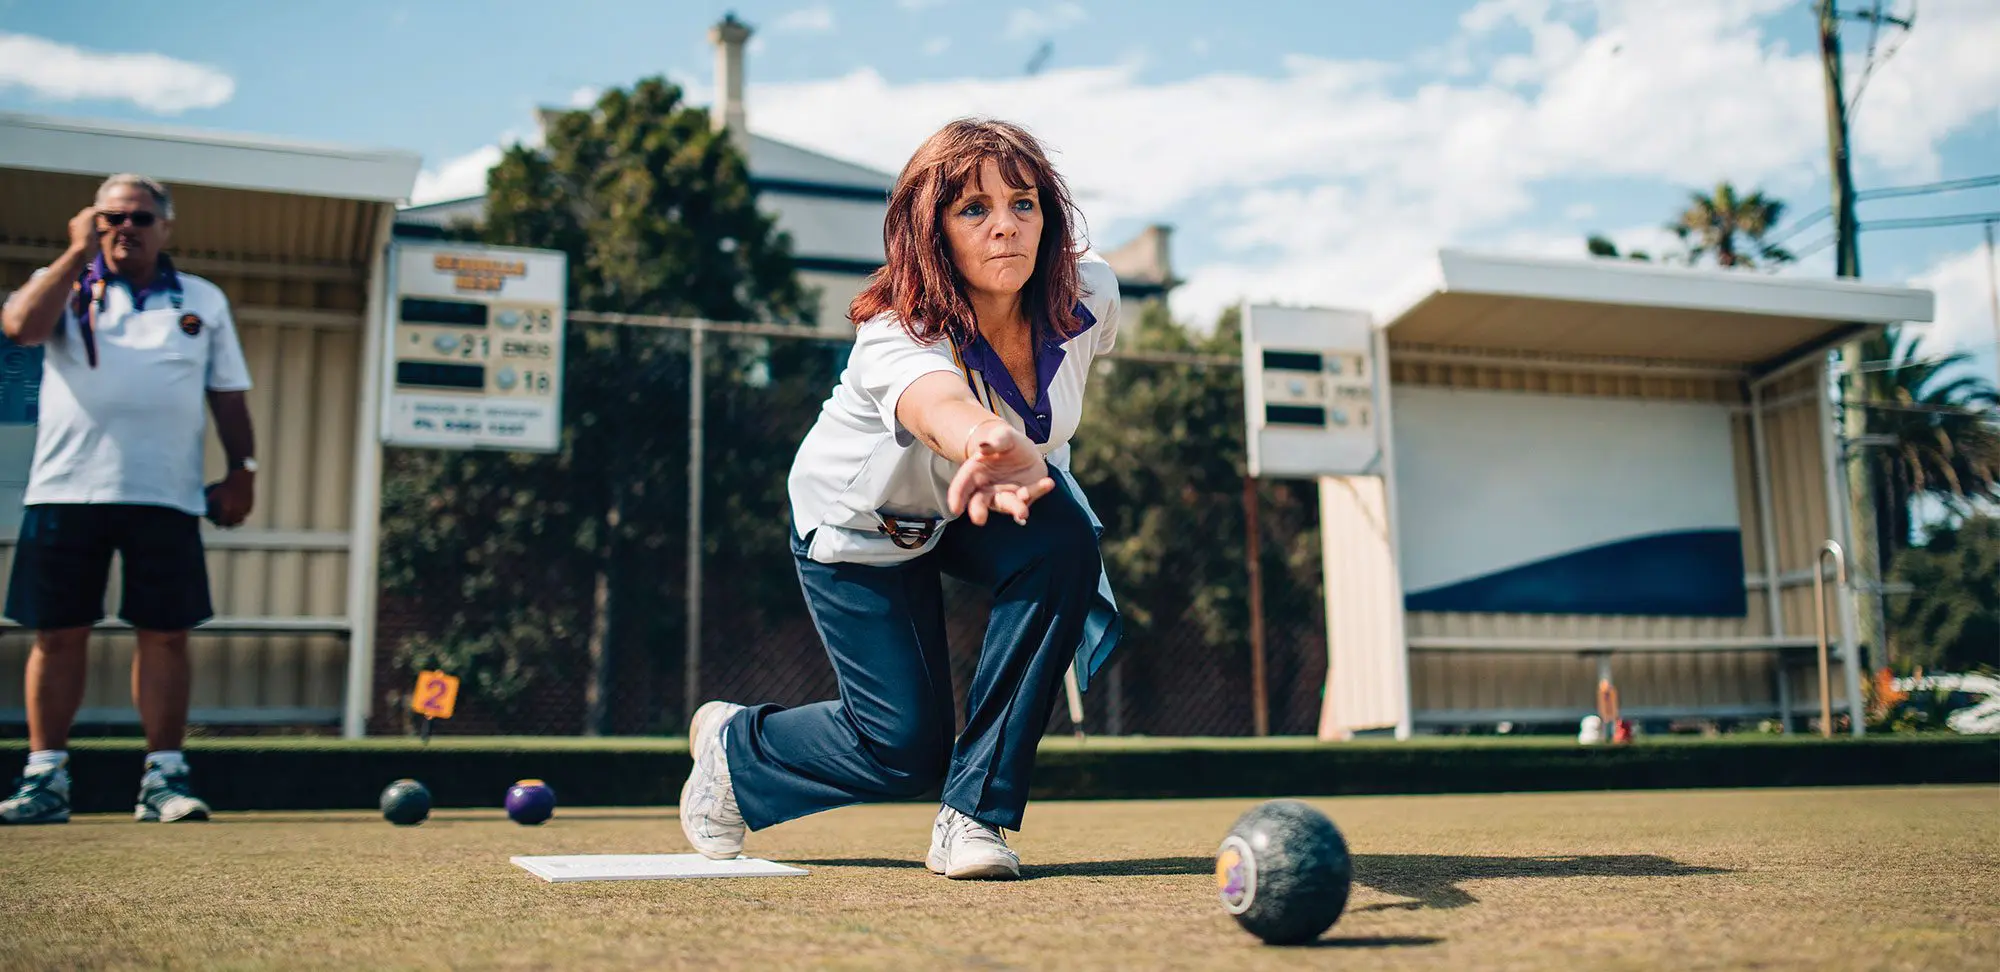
(475, 351)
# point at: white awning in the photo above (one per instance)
(1627, 309)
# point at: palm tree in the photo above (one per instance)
(1944, 422)
(1730, 227)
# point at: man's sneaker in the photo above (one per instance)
(709, 816)
(39, 798)
(166, 798)
(965, 849)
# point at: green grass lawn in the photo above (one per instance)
(1055, 742)
(1806, 879)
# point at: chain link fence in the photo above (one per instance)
(558, 587)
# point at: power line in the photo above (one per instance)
(1929, 222)
(1887, 192)
(1949, 185)
(1793, 230)
(1814, 247)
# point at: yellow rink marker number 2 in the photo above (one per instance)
(436, 696)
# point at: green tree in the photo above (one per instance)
(1944, 422)
(1730, 228)
(1951, 621)
(530, 558)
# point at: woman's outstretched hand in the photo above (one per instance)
(1002, 472)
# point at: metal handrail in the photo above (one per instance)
(1819, 623)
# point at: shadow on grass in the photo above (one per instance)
(1142, 867)
(1432, 879)
(1373, 941)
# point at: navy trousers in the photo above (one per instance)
(889, 735)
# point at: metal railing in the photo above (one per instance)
(1819, 625)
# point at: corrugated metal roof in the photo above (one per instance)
(234, 224)
(846, 229)
(773, 159)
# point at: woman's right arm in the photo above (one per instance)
(33, 312)
(1001, 470)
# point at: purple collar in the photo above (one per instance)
(1049, 354)
(165, 280)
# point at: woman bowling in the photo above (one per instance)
(943, 449)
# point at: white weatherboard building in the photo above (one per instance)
(832, 208)
(1595, 469)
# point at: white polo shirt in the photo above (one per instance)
(130, 428)
(859, 465)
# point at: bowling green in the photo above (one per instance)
(1793, 879)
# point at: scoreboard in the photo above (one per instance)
(475, 349)
(1311, 392)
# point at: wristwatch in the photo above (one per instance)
(247, 464)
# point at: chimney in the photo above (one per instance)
(1145, 258)
(729, 36)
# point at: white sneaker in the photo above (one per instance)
(709, 816)
(40, 797)
(167, 798)
(965, 849)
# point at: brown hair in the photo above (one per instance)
(920, 284)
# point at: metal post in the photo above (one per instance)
(1385, 424)
(365, 514)
(1840, 523)
(1774, 611)
(691, 672)
(1260, 702)
(1819, 623)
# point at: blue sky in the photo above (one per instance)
(1302, 150)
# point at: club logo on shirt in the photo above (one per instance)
(190, 324)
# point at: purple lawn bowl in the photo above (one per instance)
(530, 802)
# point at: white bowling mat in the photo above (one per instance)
(647, 867)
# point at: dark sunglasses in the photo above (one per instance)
(141, 218)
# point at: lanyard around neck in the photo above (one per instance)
(98, 287)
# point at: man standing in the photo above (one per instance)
(133, 349)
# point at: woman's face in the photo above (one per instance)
(995, 230)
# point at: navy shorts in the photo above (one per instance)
(62, 563)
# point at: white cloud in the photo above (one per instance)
(1199, 46)
(936, 46)
(1326, 180)
(585, 96)
(1964, 320)
(816, 19)
(1026, 22)
(155, 82)
(456, 178)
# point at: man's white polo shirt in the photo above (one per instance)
(129, 428)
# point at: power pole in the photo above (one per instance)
(1866, 545)
(1847, 246)
(1862, 542)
